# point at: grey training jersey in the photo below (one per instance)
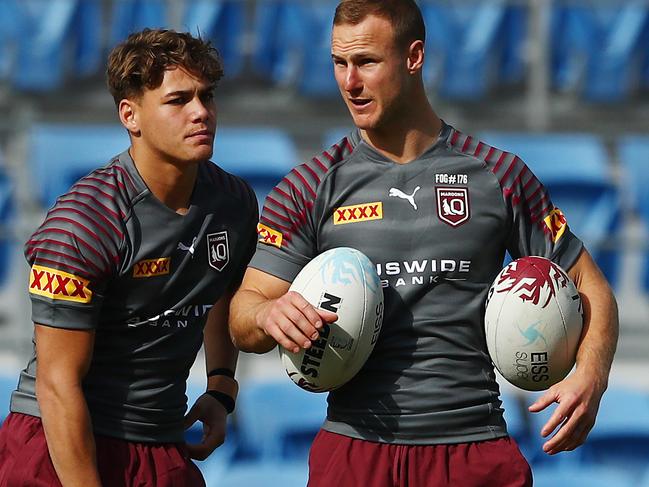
(437, 230)
(111, 257)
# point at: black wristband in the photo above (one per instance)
(223, 398)
(222, 371)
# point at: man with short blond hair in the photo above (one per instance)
(424, 410)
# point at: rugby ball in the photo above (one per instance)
(533, 322)
(342, 280)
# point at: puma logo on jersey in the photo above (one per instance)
(190, 249)
(410, 197)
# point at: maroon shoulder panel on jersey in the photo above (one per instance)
(519, 185)
(286, 206)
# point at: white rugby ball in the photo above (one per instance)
(533, 322)
(342, 280)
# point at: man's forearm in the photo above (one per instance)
(246, 335)
(601, 326)
(68, 431)
(599, 339)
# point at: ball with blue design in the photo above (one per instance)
(342, 280)
(533, 323)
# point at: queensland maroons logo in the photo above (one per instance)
(218, 250)
(453, 205)
(534, 279)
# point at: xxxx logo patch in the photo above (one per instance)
(152, 267)
(358, 213)
(557, 223)
(269, 236)
(56, 284)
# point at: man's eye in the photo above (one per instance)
(175, 101)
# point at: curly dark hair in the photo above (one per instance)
(141, 60)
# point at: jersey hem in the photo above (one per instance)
(485, 433)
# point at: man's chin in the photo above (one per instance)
(201, 155)
(363, 122)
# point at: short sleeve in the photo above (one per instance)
(72, 255)
(286, 228)
(537, 226)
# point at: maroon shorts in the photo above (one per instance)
(25, 460)
(341, 461)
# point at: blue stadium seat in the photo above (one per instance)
(292, 45)
(10, 31)
(129, 16)
(619, 439)
(59, 154)
(223, 23)
(277, 420)
(262, 156)
(517, 419)
(223, 457)
(6, 216)
(591, 476)
(267, 474)
(597, 47)
(59, 39)
(633, 152)
(513, 58)
(463, 44)
(8, 384)
(335, 135)
(575, 170)
(644, 481)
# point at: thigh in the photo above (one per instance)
(127, 464)
(491, 463)
(341, 461)
(24, 458)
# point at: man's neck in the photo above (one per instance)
(172, 183)
(410, 138)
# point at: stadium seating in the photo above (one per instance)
(261, 475)
(262, 156)
(597, 47)
(465, 45)
(292, 45)
(516, 417)
(223, 23)
(575, 170)
(8, 384)
(6, 216)
(591, 476)
(9, 37)
(132, 15)
(58, 40)
(618, 441)
(633, 152)
(335, 135)
(60, 154)
(277, 420)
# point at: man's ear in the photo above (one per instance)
(415, 57)
(128, 115)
